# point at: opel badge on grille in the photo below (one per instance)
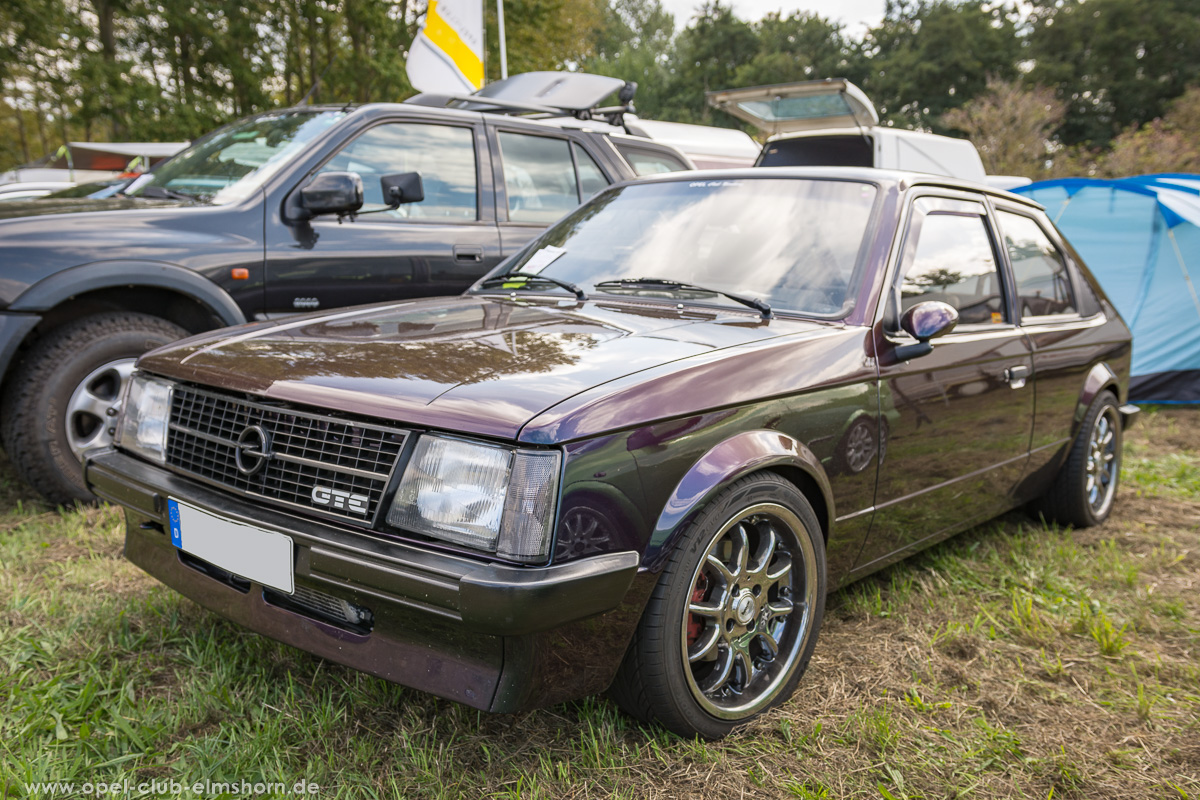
(253, 450)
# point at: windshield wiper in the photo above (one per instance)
(163, 193)
(533, 276)
(664, 283)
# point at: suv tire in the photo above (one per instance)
(68, 379)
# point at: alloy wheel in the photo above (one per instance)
(88, 421)
(749, 612)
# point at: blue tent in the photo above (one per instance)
(1141, 239)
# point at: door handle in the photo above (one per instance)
(1016, 376)
(472, 255)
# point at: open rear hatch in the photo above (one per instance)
(796, 107)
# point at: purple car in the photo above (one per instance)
(639, 454)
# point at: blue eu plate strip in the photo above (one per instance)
(176, 530)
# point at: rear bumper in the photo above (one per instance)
(1129, 414)
(459, 628)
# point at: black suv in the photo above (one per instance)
(251, 223)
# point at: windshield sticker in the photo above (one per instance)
(543, 258)
(713, 184)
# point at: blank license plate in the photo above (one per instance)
(252, 553)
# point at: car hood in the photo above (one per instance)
(43, 206)
(486, 366)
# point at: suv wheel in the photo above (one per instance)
(56, 403)
(733, 620)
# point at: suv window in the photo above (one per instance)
(1043, 286)
(540, 177)
(645, 162)
(591, 179)
(444, 155)
(954, 263)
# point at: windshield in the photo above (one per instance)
(234, 162)
(793, 243)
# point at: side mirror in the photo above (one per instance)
(332, 193)
(406, 187)
(925, 321)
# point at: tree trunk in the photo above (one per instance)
(21, 133)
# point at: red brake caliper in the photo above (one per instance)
(695, 625)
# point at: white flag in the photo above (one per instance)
(447, 55)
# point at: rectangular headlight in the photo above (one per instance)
(482, 496)
(145, 414)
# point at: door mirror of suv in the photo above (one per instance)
(925, 321)
(405, 187)
(332, 193)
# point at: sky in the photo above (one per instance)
(857, 15)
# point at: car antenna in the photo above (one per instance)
(316, 84)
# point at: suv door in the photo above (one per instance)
(435, 247)
(958, 420)
(539, 178)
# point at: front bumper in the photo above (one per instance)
(456, 627)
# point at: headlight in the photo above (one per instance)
(483, 496)
(142, 428)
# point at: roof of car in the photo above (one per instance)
(892, 177)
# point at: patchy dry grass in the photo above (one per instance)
(1012, 661)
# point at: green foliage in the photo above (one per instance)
(1054, 87)
(1115, 62)
(928, 57)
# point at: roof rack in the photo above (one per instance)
(544, 95)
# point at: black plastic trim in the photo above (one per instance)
(51, 291)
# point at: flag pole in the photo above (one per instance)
(503, 47)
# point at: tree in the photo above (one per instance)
(1011, 126)
(707, 56)
(542, 34)
(801, 46)
(1168, 144)
(925, 58)
(633, 42)
(1115, 62)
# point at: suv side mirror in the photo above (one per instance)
(405, 187)
(332, 193)
(925, 321)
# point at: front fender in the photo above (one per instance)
(52, 290)
(734, 458)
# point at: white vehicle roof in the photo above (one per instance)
(706, 146)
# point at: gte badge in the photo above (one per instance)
(342, 501)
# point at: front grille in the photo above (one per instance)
(332, 466)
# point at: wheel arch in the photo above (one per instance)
(1100, 377)
(98, 276)
(171, 292)
(734, 458)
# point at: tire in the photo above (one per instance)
(700, 663)
(1082, 493)
(55, 401)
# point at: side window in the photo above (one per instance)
(953, 262)
(443, 154)
(539, 177)
(647, 163)
(1043, 286)
(591, 179)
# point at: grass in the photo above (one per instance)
(1015, 660)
